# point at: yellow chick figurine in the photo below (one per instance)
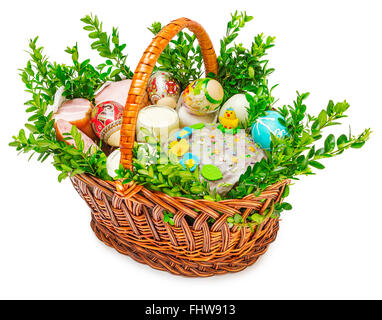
(229, 121)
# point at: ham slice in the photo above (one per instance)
(118, 92)
(63, 126)
(115, 91)
(77, 112)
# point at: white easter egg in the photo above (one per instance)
(239, 104)
(112, 162)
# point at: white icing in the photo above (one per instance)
(232, 154)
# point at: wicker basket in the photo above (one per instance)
(130, 217)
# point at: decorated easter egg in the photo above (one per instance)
(202, 96)
(239, 104)
(264, 126)
(162, 86)
(106, 120)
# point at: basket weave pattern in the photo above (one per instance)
(130, 217)
(133, 224)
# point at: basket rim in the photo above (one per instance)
(117, 184)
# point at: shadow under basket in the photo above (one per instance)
(129, 217)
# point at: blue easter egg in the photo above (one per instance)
(264, 126)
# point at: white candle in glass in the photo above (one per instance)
(161, 121)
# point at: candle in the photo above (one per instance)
(161, 121)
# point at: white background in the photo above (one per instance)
(329, 245)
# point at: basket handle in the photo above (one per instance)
(143, 72)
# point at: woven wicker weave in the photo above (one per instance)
(130, 217)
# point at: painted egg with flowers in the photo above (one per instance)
(162, 89)
(202, 96)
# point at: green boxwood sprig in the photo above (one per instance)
(244, 70)
(297, 153)
(182, 58)
(108, 46)
(42, 79)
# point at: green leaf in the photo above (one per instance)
(286, 206)
(251, 72)
(22, 136)
(358, 145)
(257, 218)
(66, 168)
(342, 140)
(330, 108)
(89, 28)
(306, 139)
(286, 192)
(238, 218)
(115, 72)
(330, 143)
(230, 220)
(62, 176)
(317, 164)
(74, 131)
(322, 118)
(311, 152)
(93, 35)
(341, 107)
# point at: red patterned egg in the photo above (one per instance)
(106, 120)
(161, 86)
